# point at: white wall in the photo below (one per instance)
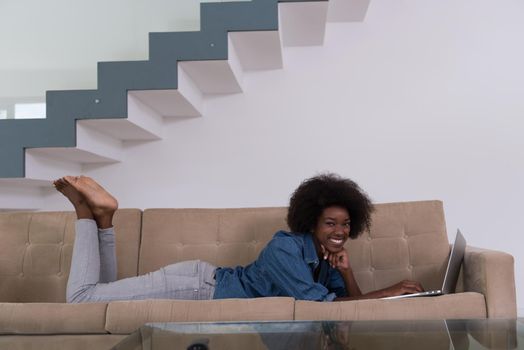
(424, 100)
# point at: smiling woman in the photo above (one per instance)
(332, 209)
(310, 263)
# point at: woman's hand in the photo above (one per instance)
(403, 287)
(339, 261)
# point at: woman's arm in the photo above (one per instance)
(340, 261)
(351, 284)
(403, 287)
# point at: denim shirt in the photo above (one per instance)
(285, 267)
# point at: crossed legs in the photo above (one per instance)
(92, 277)
(94, 257)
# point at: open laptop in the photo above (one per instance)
(452, 272)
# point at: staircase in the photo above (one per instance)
(135, 98)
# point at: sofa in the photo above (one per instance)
(407, 240)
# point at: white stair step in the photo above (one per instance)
(70, 154)
(258, 50)
(347, 10)
(216, 76)
(42, 166)
(13, 184)
(167, 103)
(147, 108)
(30, 193)
(122, 129)
(94, 146)
(48, 163)
(185, 102)
(20, 194)
(142, 122)
(302, 23)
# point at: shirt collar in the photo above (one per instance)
(310, 252)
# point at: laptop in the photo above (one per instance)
(452, 271)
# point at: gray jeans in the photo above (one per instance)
(93, 273)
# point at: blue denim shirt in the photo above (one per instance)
(284, 268)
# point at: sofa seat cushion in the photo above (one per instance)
(451, 306)
(52, 318)
(124, 317)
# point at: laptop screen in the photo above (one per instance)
(454, 264)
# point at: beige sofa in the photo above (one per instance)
(407, 241)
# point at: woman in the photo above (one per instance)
(309, 263)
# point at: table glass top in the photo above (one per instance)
(435, 334)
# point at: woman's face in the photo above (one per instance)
(332, 229)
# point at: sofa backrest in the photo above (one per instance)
(407, 240)
(36, 249)
(223, 237)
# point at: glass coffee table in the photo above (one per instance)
(333, 335)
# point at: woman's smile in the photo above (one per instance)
(337, 241)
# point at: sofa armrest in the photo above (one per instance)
(491, 273)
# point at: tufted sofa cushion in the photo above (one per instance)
(36, 250)
(407, 241)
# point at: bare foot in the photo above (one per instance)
(102, 204)
(76, 198)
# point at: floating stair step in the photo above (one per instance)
(347, 10)
(94, 147)
(12, 185)
(142, 123)
(302, 23)
(122, 129)
(186, 101)
(21, 194)
(47, 163)
(70, 154)
(258, 50)
(42, 166)
(158, 85)
(215, 76)
(167, 103)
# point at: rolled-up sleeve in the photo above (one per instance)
(283, 263)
